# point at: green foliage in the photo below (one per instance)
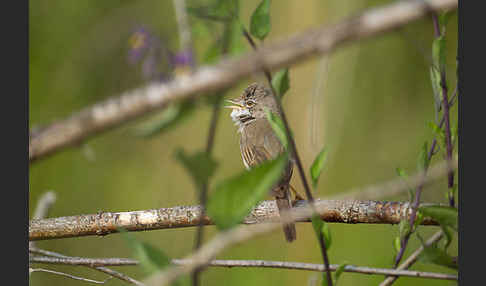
(234, 198)
(435, 255)
(423, 160)
(439, 132)
(151, 258)
(436, 88)
(318, 165)
(277, 126)
(439, 53)
(339, 271)
(199, 165)
(446, 216)
(173, 116)
(281, 82)
(322, 228)
(260, 20)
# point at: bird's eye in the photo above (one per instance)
(250, 103)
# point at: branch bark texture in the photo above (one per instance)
(339, 211)
(135, 103)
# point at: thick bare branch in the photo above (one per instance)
(343, 211)
(348, 211)
(138, 102)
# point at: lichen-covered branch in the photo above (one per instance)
(347, 211)
(135, 103)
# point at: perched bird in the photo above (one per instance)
(258, 142)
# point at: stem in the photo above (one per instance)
(450, 174)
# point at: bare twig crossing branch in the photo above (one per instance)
(133, 104)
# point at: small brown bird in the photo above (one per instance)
(258, 142)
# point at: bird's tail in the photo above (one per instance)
(284, 205)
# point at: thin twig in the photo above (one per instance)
(42, 209)
(106, 270)
(246, 263)
(412, 258)
(320, 268)
(31, 270)
(155, 96)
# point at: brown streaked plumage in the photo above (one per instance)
(258, 142)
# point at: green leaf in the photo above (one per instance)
(322, 228)
(318, 165)
(151, 258)
(401, 173)
(277, 126)
(445, 215)
(235, 41)
(339, 271)
(281, 82)
(439, 53)
(234, 198)
(423, 161)
(444, 19)
(435, 255)
(172, 116)
(213, 53)
(260, 20)
(436, 88)
(439, 132)
(397, 244)
(199, 165)
(404, 228)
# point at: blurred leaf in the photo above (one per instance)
(318, 165)
(445, 215)
(199, 165)
(397, 244)
(403, 174)
(277, 126)
(419, 218)
(151, 259)
(260, 20)
(213, 53)
(281, 82)
(439, 52)
(234, 198)
(321, 227)
(235, 40)
(339, 271)
(173, 116)
(435, 255)
(444, 19)
(404, 228)
(219, 10)
(439, 132)
(436, 88)
(423, 161)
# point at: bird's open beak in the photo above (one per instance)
(235, 104)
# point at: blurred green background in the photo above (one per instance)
(369, 102)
